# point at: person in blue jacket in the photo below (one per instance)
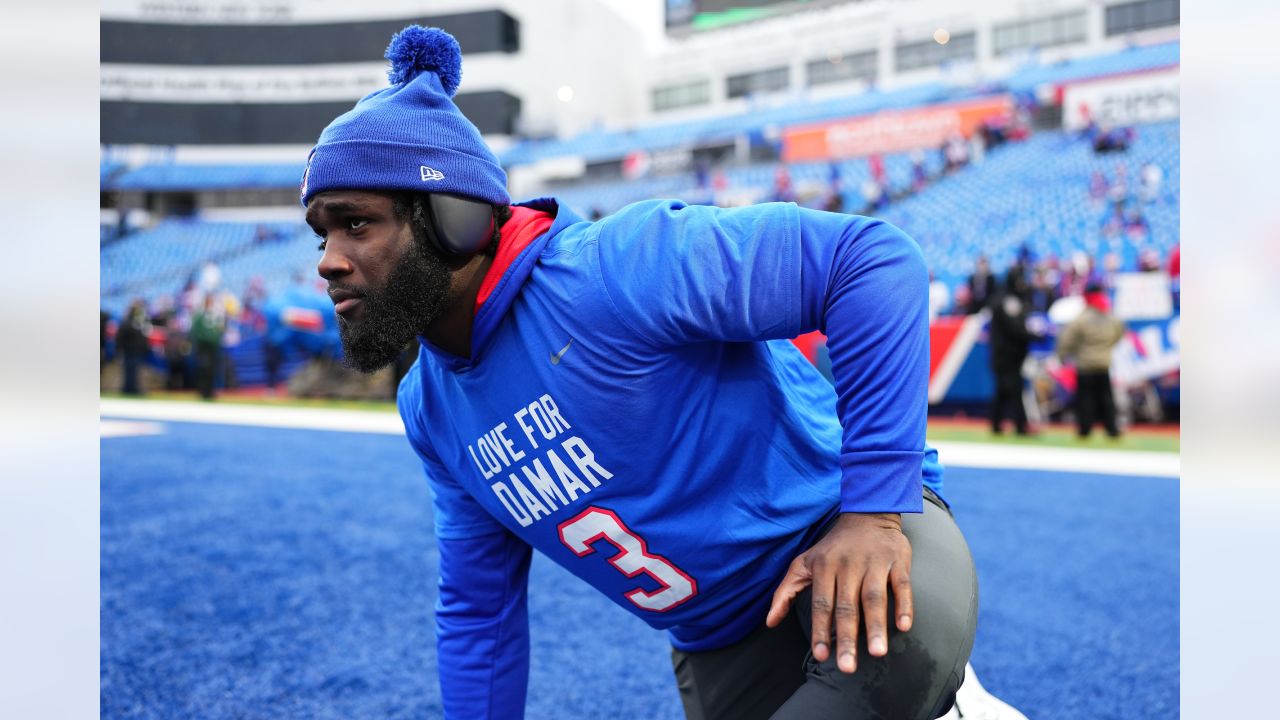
(621, 396)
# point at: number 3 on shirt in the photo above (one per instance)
(632, 559)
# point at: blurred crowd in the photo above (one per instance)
(1031, 304)
(1047, 279)
(184, 338)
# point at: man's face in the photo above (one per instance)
(386, 287)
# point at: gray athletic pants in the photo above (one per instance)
(772, 674)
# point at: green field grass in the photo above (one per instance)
(279, 401)
(1151, 440)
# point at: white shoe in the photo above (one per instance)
(973, 702)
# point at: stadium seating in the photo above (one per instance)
(1034, 193)
(1037, 193)
(159, 260)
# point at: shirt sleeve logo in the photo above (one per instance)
(430, 174)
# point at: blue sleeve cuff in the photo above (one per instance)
(881, 482)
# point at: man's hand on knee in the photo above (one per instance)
(852, 571)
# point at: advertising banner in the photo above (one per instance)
(1126, 100)
(1150, 350)
(890, 131)
(240, 84)
(959, 368)
(1143, 296)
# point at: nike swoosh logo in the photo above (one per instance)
(555, 357)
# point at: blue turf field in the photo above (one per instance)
(264, 573)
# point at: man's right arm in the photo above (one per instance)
(482, 626)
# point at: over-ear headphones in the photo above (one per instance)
(458, 226)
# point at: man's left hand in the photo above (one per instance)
(851, 571)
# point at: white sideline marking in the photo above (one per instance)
(387, 423)
(1102, 462)
(959, 454)
(127, 428)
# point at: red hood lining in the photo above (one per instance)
(523, 227)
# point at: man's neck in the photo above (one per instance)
(451, 331)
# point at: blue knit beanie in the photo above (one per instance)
(409, 136)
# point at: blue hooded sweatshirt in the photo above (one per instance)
(633, 409)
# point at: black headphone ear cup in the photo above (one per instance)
(460, 225)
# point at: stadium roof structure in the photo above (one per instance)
(603, 145)
(613, 144)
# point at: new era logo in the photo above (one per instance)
(429, 174)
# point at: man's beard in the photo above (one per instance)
(390, 318)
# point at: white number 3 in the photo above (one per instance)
(632, 559)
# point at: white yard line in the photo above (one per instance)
(1103, 462)
(958, 454)
(301, 418)
(128, 428)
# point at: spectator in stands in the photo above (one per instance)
(1089, 129)
(982, 285)
(834, 201)
(1110, 269)
(104, 322)
(1136, 226)
(939, 298)
(956, 152)
(132, 339)
(1041, 295)
(875, 166)
(993, 133)
(1149, 260)
(1052, 271)
(977, 148)
(1088, 341)
(1113, 222)
(1109, 139)
(1118, 191)
(1098, 187)
(177, 354)
(1026, 256)
(188, 301)
(207, 328)
(782, 189)
(960, 306)
(1150, 178)
(163, 319)
(1010, 343)
(1175, 276)
(874, 195)
(919, 175)
(1076, 276)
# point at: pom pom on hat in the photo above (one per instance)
(409, 136)
(416, 49)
